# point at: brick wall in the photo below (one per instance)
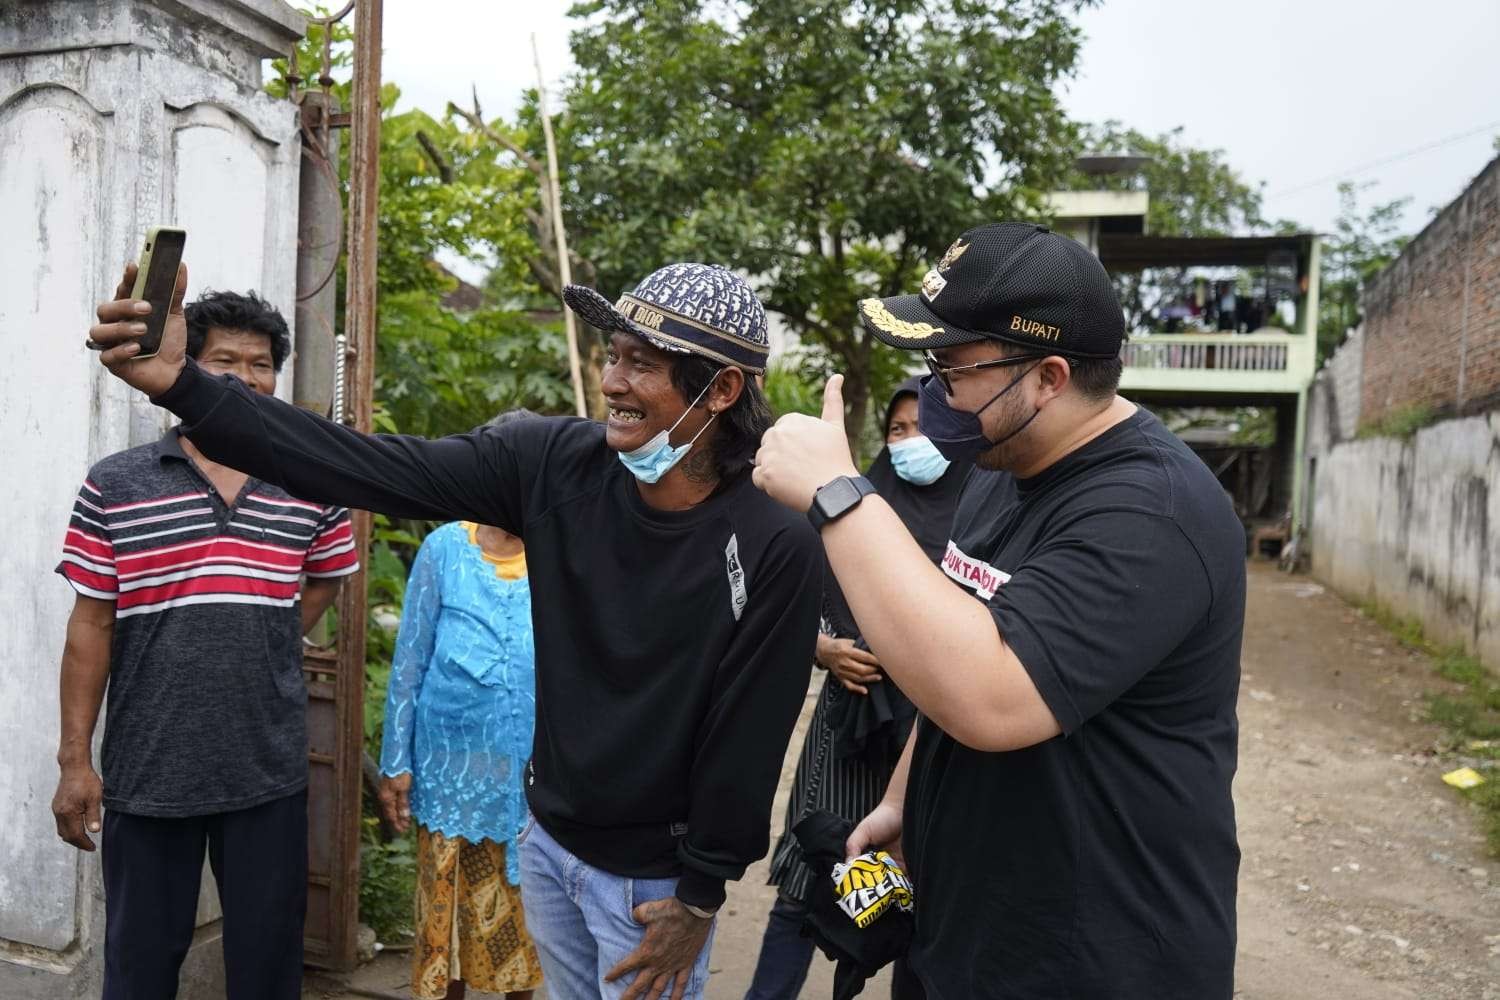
(1432, 319)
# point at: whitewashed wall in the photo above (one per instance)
(1411, 524)
(114, 115)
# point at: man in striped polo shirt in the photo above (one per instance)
(191, 607)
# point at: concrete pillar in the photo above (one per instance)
(114, 115)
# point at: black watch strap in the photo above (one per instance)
(837, 498)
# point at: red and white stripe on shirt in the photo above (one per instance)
(148, 555)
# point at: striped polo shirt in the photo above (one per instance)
(206, 702)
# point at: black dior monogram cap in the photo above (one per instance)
(1010, 281)
(686, 308)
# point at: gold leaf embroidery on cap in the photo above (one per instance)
(882, 319)
(951, 257)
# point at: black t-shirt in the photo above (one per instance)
(672, 648)
(1102, 862)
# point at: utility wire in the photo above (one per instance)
(1384, 161)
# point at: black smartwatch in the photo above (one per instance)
(837, 498)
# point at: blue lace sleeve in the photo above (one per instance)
(414, 644)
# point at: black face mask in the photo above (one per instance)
(958, 434)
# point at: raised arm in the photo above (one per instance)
(467, 476)
(471, 476)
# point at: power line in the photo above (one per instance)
(1384, 161)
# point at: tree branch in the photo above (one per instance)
(444, 168)
(903, 261)
(802, 323)
(545, 275)
(728, 101)
(476, 121)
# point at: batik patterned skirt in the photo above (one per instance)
(469, 921)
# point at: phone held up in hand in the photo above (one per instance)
(155, 281)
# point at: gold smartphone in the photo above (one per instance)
(156, 279)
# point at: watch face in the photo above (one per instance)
(836, 497)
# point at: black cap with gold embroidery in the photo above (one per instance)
(1010, 281)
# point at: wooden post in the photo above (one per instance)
(359, 370)
(559, 237)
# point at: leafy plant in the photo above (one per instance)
(385, 587)
(794, 385)
(439, 372)
(1402, 422)
(387, 881)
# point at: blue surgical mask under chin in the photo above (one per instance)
(656, 457)
(917, 460)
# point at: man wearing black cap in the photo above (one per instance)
(675, 607)
(1065, 806)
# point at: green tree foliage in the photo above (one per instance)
(445, 193)
(1194, 192)
(828, 148)
(442, 372)
(1362, 243)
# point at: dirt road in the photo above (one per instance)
(1363, 875)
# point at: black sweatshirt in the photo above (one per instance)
(673, 648)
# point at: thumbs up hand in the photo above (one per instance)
(802, 453)
(833, 402)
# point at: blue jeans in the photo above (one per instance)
(579, 918)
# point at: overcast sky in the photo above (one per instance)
(1292, 90)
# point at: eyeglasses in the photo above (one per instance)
(941, 372)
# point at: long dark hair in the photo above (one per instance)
(740, 427)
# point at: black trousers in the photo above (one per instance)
(152, 870)
(786, 958)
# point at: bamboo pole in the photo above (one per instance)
(559, 237)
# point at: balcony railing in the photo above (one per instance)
(1258, 357)
(1266, 359)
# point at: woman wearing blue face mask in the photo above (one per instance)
(862, 719)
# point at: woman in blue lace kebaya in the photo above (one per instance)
(459, 716)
